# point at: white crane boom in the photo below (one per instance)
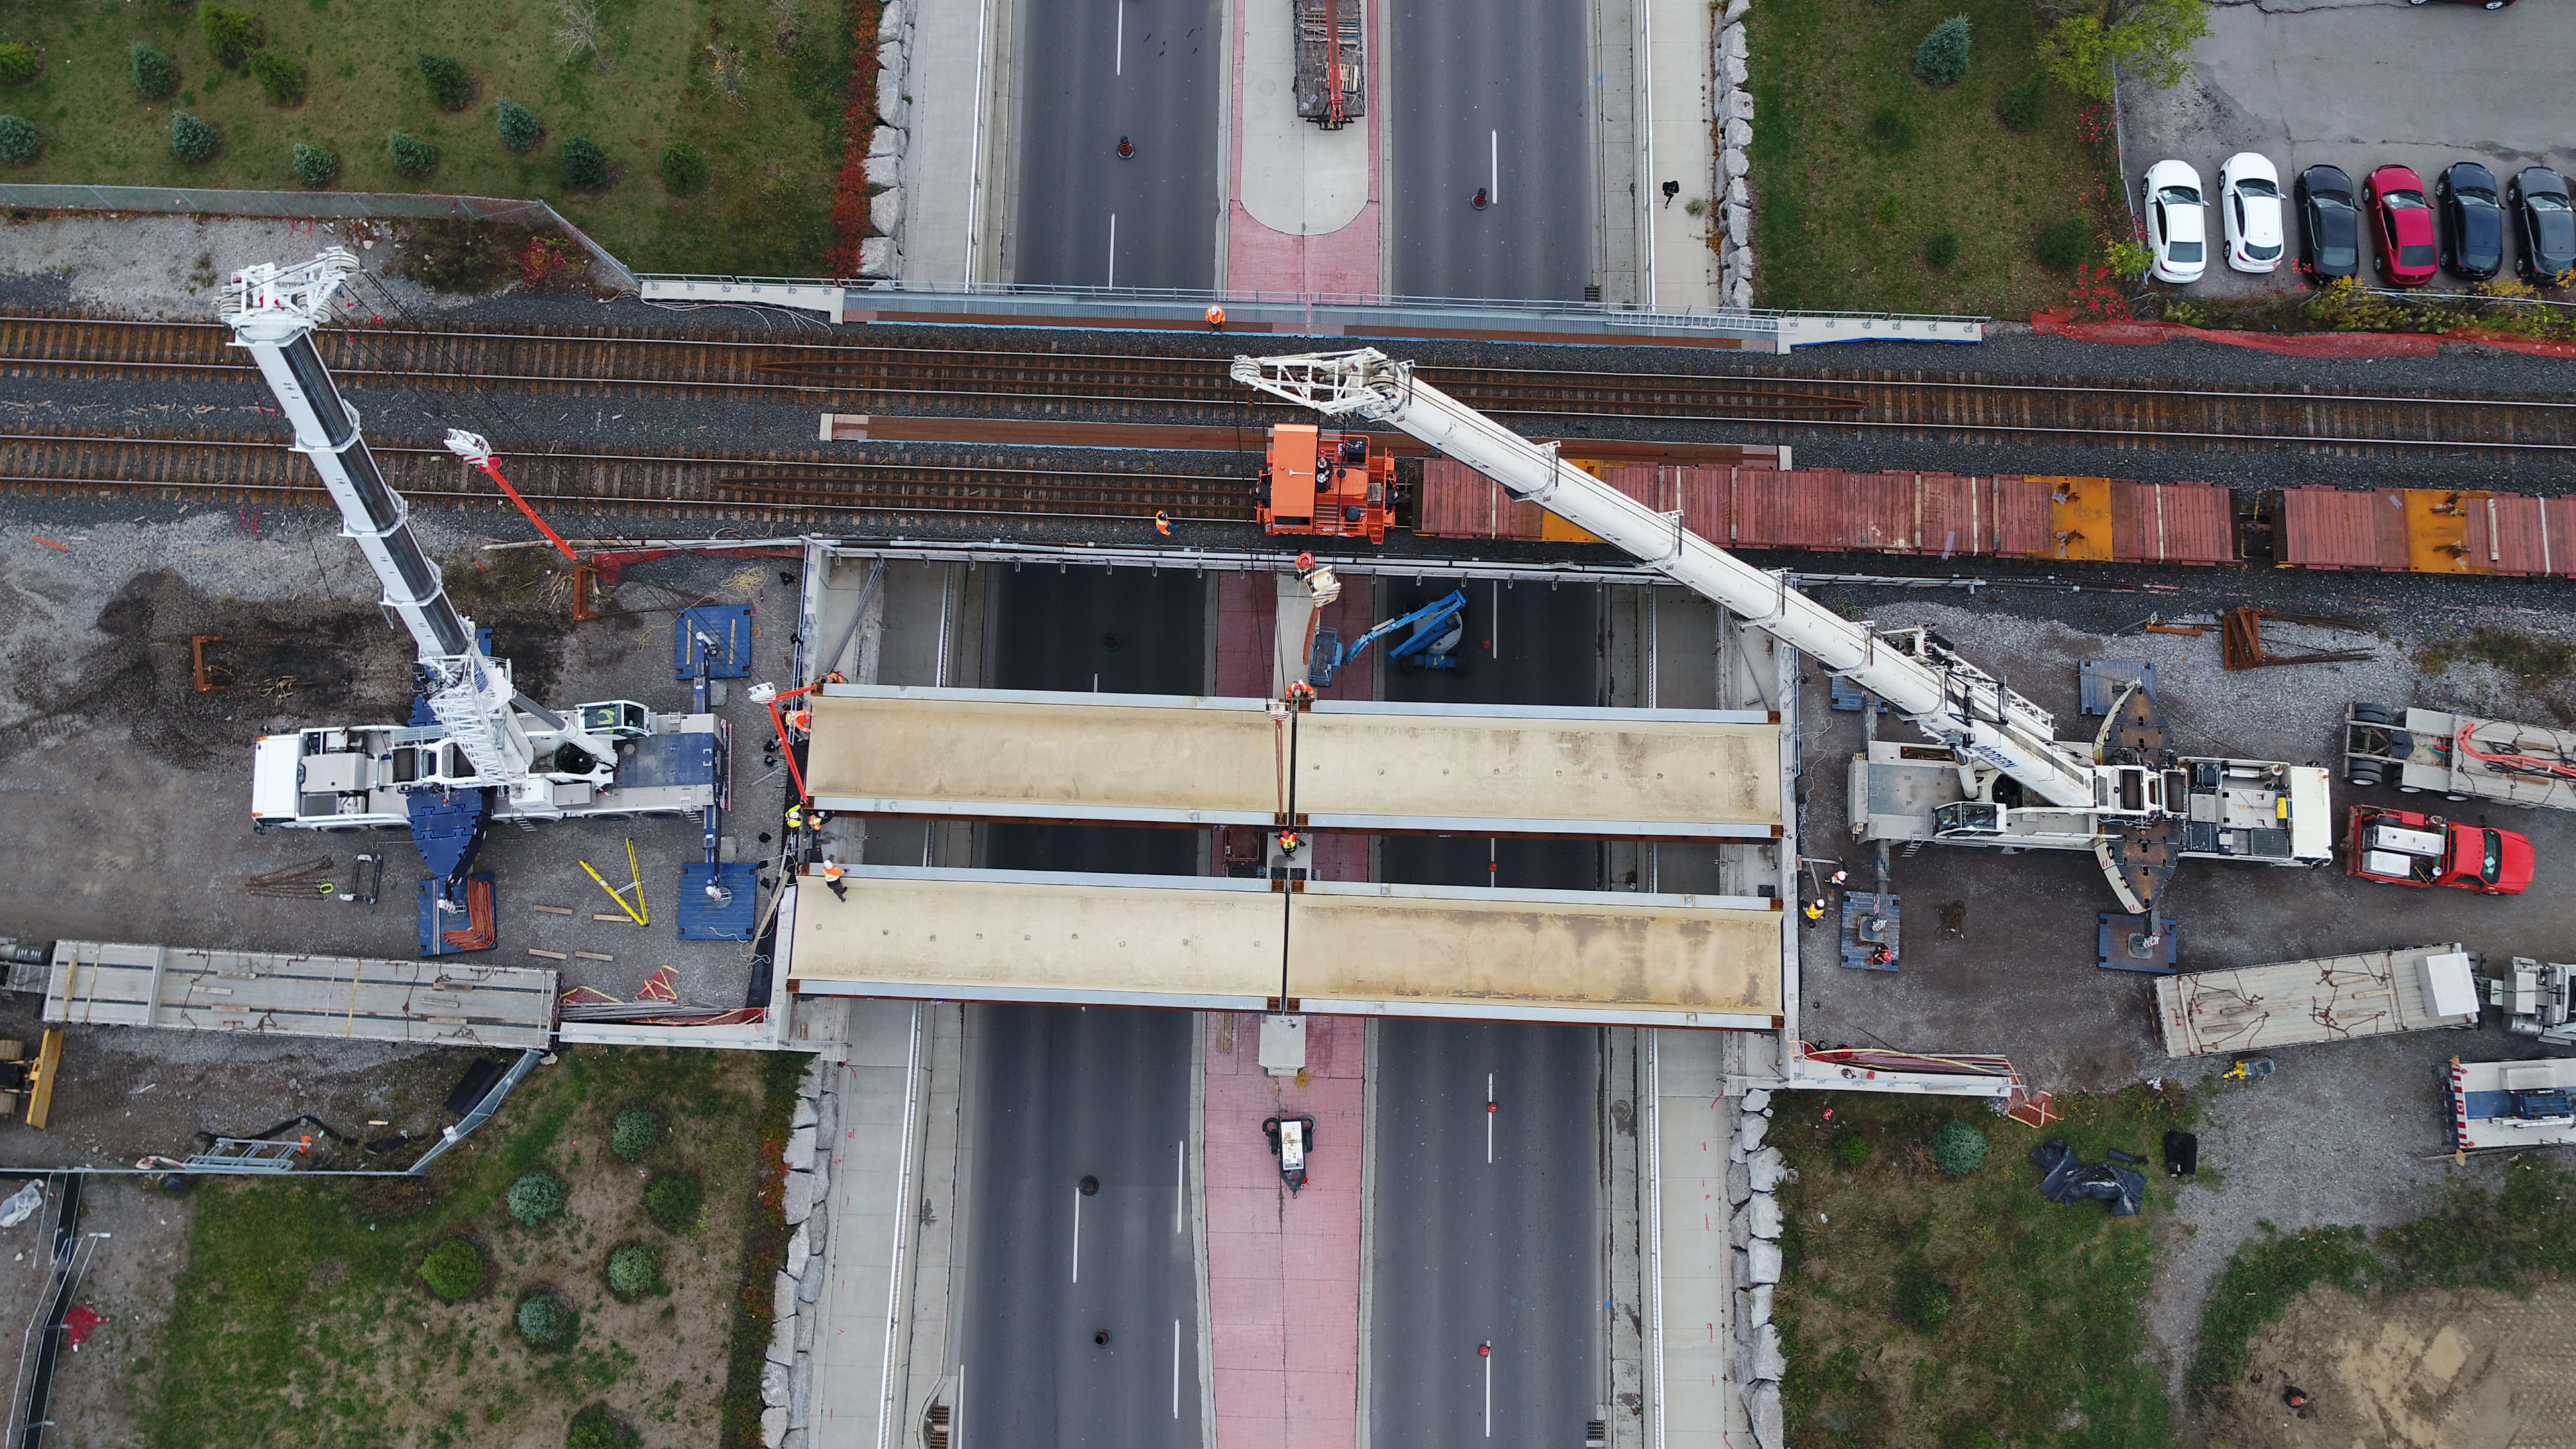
(273, 312)
(1966, 709)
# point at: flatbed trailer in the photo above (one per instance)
(2459, 756)
(2511, 1104)
(1332, 61)
(2326, 998)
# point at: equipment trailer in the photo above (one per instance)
(2459, 756)
(1332, 61)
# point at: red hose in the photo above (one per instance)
(2528, 764)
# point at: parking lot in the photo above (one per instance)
(2358, 84)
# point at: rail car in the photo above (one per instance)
(1755, 504)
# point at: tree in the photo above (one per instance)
(2146, 38)
(1958, 1146)
(453, 1269)
(450, 87)
(316, 165)
(1942, 58)
(635, 1132)
(155, 74)
(282, 76)
(18, 139)
(684, 169)
(634, 1270)
(520, 128)
(231, 34)
(542, 1319)
(19, 63)
(191, 139)
(585, 166)
(536, 1197)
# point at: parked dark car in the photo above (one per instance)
(2404, 217)
(2489, 4)
(2472, 220)
(2545, 215)
(2329, 225)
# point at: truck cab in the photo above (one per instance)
(2403, 847)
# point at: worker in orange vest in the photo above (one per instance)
(1215, 318)
(1162, 523)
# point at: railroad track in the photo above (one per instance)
(963, 378)
(239, 468)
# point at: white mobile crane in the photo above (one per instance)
(483, 744)
(1999, 776)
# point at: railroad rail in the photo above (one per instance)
(699, 484)
(969, 373)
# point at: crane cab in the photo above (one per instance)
(1319, 481)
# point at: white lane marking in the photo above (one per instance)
(1489, 1119)
(1494, 625)
(1176, 1368)
(957, 1405)
(1113, 284)
(1489, 1391)
(1077, 1232)
(1122, 39)
(1180, 1181)
(1494, 190)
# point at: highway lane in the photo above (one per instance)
(1469, 1252)
(1096, 631)
(1054, 1095)
(1496, 95)
(1096, 70)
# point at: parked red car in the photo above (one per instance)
(2404, 218)
(2402, 847)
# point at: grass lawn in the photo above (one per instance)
(302, 1320)
(772, 164)
(2045, 1342)
(1827, 235)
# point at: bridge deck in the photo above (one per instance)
(1336, 947)
(1176, 760)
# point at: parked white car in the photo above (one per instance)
(2250, 209)
(2177, 231)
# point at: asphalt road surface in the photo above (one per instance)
(1469, 1252)
(1106, 632)
(1497, 95)
(1089, 82)
(1055, 1094)
(1527, 645)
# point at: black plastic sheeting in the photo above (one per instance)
(2066, 1177)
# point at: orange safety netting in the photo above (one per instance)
(2293, 344)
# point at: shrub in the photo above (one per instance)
(543, 1319)
(231, 34)
(316, 165)
(450, 88)
(1958, 1146)
(1890, 132)
(282, 76)
(596, 1428)
(1885, 212)
(1922, 1302)
(191, 139)
(2128, 258)
(2065, 244)
(1942, 58)
(1851, 1149)
(453, 1269)
(1942, 249)
(585, 166)
(536, 1197)
(2021, 106)
(18, 141)
(155, 75)
(635, 1133)
(412, 155)
(18, 63)
(684, 169)
(673, 1202)
(634, 1270)
(520, 129)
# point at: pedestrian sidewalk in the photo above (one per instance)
(1692, 1365)
(958, 48)
(1680, 80)
(1283, 1271)
(1305, 208)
